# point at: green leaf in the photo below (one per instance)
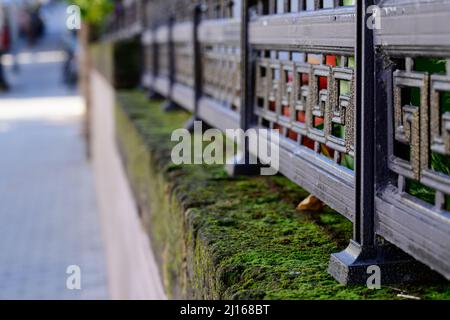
(93, 11)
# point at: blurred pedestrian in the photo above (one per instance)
(36, 28)
(5, 42)
(14, 13)
(70, 66)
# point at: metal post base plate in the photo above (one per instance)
(169, 105)
(152, 94)
(240, 168)
(350, 267)
(189, 125)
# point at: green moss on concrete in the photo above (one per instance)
(102, 58)
(119, 62)
(222, 238)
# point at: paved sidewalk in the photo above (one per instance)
(48, 213)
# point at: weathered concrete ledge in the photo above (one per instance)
(222, 238)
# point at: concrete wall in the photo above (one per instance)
(132, 270)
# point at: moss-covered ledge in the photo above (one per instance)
(220, 238)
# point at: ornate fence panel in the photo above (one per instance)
(168, 46)
(413, 136)
(304, 86)
(127, 21)
(363, 108)
(163, 79)
(219, 102)
(183, 46)
(153, 16)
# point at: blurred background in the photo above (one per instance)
(48, 214)
(50, 226)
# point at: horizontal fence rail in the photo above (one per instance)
(363, 109)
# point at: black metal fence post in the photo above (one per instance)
(169, 103)
(246, 92)
(197, 64)
(365, 134)
(241, 164)
(152, 93)
(351, 266)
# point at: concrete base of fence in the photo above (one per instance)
(216, 237)
(391, 265)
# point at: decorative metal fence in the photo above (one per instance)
(127, 21)
(360, 94)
